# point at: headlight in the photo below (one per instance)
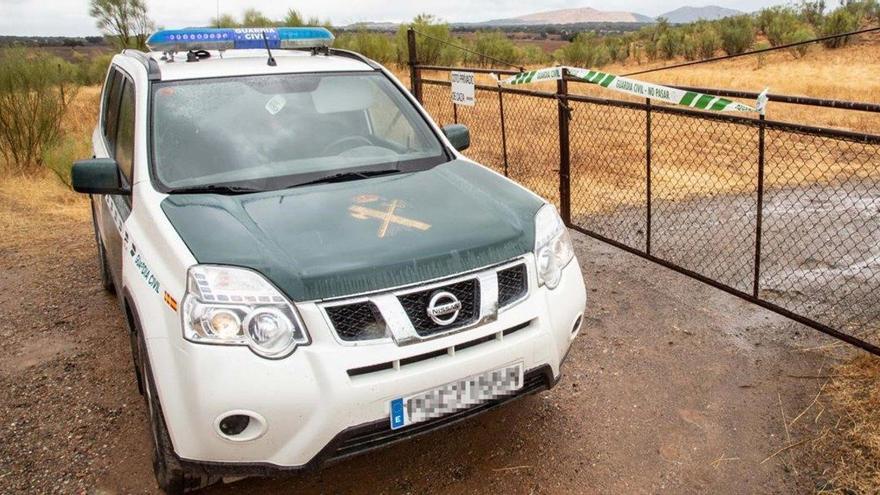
(236, 306)
(553, 249)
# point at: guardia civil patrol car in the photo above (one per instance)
(308, 265)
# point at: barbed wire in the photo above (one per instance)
(504, 62)
(754, 52)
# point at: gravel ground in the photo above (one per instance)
(672, 387)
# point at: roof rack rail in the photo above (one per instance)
(149, 63)
(354, 55)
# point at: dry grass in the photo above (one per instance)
(854, 393)
(691, 158)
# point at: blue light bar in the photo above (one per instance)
(181, 40)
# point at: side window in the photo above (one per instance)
(111, 108)
(125, 130)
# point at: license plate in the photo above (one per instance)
(456, 396)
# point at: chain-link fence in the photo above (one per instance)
(783, 215)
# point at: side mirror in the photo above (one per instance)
(98, 176)
(458, 135)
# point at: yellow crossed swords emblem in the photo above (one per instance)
(386, 217)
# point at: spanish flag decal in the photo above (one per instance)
(171, 302)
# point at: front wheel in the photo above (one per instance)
(172, 477)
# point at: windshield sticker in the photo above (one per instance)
(385, 213)
(275, 104)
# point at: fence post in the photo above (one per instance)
(564, 149)
(503, 129)
(414, 76)
(648, 194)
(759, 221)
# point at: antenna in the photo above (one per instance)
(271, 62)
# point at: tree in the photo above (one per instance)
(224, 21)
(124, 20)
(255, 18)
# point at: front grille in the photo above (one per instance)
(359, 321)
(512, 284)
(416, 306)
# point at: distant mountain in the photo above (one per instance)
(570, 16)
(684, 15)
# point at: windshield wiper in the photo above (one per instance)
(346, 176)
(215, 189)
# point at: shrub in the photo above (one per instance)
(707, 41)
(495, 45)
(533, 55)
(34, 94)
(838, 22)
(737, 34)
(812, 12)
(669, 44)
(802, 33)
(377, 46)
(585, 51)
(782, 23)
(431, 49)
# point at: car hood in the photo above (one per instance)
(330, 240)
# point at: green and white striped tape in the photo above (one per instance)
(640, 88)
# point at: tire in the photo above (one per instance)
(106, 277)
(173, 478)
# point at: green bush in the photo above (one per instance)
(707, 41)
(670, 44)
(737, 34)
(431, 49)
(377, 46)
(812, 12)
(494, 45)
(782, 22)
(840, 21)
(35, 91)
(584, 51)
(802, 33)
(91, 71)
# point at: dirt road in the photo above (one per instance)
(673, 387)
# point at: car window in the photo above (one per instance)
(125, 130)
(257, 130)
(112, 94)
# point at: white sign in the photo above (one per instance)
(463, 88)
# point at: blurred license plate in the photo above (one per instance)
(456, 396)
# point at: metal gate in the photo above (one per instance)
(783, 215)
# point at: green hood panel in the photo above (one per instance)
(338, 239)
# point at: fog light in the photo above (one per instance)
(235, 424)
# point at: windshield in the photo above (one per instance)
(271, 131)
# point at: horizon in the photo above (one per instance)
(71, 18)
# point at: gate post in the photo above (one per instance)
(414, 76)
(759, 218)
(564, 149)
(648, 193)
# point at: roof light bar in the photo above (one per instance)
(179, 40)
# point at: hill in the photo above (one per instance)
(571, 16)
(683, 15)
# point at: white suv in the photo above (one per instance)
(308, 265)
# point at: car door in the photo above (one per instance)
(117, 122)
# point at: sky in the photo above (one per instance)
(71, 18)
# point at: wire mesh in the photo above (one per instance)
(608, 173)
(819, 256)
(822, 230)
(704, 182)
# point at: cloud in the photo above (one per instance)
(70, 17)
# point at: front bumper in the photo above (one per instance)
(325, 402)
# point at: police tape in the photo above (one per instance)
(634, 87)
